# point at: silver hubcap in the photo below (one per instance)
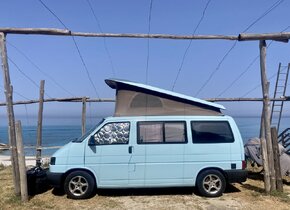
(212, 184)
(78, 185)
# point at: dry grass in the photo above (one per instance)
(249, 195)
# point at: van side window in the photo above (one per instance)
(161, 132)
(113, 133)
(211, 132)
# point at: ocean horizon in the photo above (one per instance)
(60, 132)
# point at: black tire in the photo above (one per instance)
(211, 183)
(79, 185)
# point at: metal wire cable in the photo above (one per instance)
(276, 4)
(26, 114)
(85, 67)
(39, 69)
(104, 39)
(189, 45)
(248, 68)
(270, 78)
(243, 73)
(15, 92)
(272, 7)
(256, 87)
(76, 45)
(46, 7)
(148, 40)
(90, 114)
(240, 76)
(19, 94)
(216, 69)
(26, 76)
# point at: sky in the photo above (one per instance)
(202, 70)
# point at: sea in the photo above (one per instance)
(63, 132)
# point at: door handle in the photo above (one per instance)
(130, 149)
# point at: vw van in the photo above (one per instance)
(161, 145)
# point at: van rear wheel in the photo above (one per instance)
(79, 185)
(211, 183)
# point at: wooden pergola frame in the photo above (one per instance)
(266, 141)
(282, 36)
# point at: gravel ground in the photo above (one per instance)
(248, 195)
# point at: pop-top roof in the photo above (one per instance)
(119, 84)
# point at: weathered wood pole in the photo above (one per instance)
(267, 115)
(21, 162)
(39, 124)
(267, 182)
(264, 154)
(8, 90)
(84, 111)
(279, 180)
(262, 125)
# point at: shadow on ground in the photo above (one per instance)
(231, 189)
(253, 188)
(258, 176)
(148, 191)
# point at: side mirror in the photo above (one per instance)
(92, 141)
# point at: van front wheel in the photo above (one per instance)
(79, 185)
(211, 183)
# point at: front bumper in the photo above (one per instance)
(54, 179)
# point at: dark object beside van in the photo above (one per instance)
(36, 181)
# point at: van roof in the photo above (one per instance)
(120, 84)
(171, 118)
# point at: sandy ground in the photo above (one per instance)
(29, 160)
(246, 196)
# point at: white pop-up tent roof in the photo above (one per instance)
(136, 99)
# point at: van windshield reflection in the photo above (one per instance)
(80, 139)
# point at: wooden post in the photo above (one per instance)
(39, 124)
(266, 110)
(8, 90)
(267, 182)
(264, 153)
(279, 180)
(262, 125)
(84, 110)
(21, 162)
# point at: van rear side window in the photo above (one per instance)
(211, 132)
(161, 132)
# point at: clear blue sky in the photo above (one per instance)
(58, 57)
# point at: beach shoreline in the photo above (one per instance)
(29, 160)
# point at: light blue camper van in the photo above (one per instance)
(156, 138)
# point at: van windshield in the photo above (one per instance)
(80, 139)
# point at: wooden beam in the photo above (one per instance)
(244, 99)
(262, 125)
(8, 90)
(266, 110)
(281, 36)
(21, 162)
(64, 32)
(73, 99)
(110, 100)
(84, 111)
(39, 124)
(38, 31)
(267, 182)
(264, 151)
(279, 180)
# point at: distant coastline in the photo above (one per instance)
(61, 132)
